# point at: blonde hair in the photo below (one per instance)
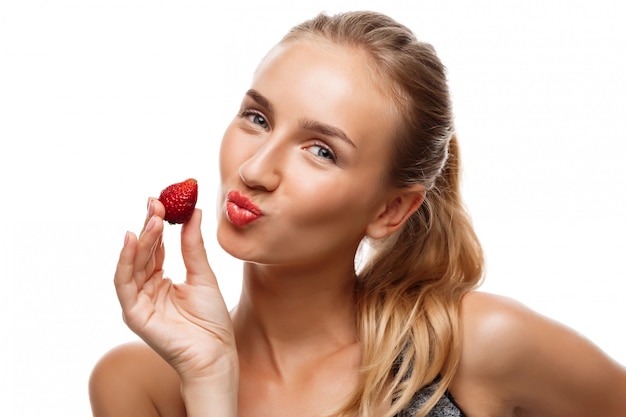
(409, 293)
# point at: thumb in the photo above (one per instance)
(199, 271)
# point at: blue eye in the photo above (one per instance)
(322, 152)
(255, 117)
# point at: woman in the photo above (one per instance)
(345, 138)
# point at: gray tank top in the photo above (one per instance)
(445, 407)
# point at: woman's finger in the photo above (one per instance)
(194, 254)
(147, 245)
(125, 285)
(159, 254)
(154, 208)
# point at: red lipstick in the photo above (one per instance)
(240, 210)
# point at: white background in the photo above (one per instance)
(103, 103)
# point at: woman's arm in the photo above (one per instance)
(217, 394)
(535, 365)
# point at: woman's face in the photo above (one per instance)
(303, 163)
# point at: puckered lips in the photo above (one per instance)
(240, 210)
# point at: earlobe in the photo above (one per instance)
(396, 211)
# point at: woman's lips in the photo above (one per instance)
(240, 210)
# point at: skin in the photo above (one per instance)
(289, 347)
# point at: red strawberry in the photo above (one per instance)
(179, 200)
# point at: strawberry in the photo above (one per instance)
(179, 200)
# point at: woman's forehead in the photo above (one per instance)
(331, 81)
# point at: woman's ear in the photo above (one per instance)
(399, 206)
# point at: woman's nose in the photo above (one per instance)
(263, 169)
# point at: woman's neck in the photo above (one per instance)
(287, 315)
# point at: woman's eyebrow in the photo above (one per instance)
(327, 130)
(261, 100)
(319, 127)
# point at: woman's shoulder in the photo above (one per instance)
(501, 336)
(511, 354)
(131, 379)
(497, 331)
(496, 336)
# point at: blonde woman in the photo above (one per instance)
(344, 138)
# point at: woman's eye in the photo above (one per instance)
(256, 118)
(322, 152)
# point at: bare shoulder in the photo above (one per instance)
(501, 334)
(500, 326)
(518, 358)
(132, 380)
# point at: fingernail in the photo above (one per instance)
(150, 224)
(150, 208)
(126, 237)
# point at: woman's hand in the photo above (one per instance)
(187, 324)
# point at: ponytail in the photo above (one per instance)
(409, 296)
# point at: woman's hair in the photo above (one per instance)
(409, 292)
